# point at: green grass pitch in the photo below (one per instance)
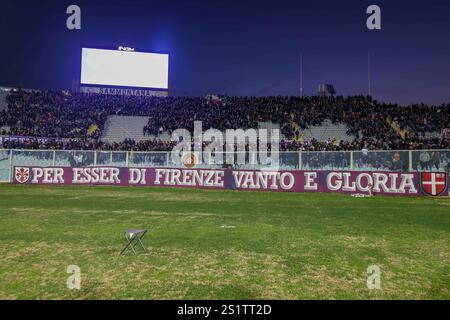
(273, 245)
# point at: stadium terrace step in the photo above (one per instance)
(119, 128)
(325, 131)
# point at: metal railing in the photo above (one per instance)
(392, 160)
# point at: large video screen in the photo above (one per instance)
(124, 68)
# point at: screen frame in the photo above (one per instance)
(122, 87)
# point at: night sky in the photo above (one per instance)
(241, 47)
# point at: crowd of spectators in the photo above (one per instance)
(76, 120)
(87, 144)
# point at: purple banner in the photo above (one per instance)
(386, 183)
(29, 138)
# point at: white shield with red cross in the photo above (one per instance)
(433, 183)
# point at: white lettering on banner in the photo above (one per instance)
(337, 185)
(158, 175)
(367, 184)
(177, 177)
(96, 175)
(289, 185)
(347, 185)
(263, 180)
(381, 182)
(175, 181)
(187, 177)
(407, 182)
(137, 176)
(321, 181)
(49, 175)
(37, 174)
(238, 177)
(310, 178)
(393, 177)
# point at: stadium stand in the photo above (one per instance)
(91, 122)
(4, 92)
